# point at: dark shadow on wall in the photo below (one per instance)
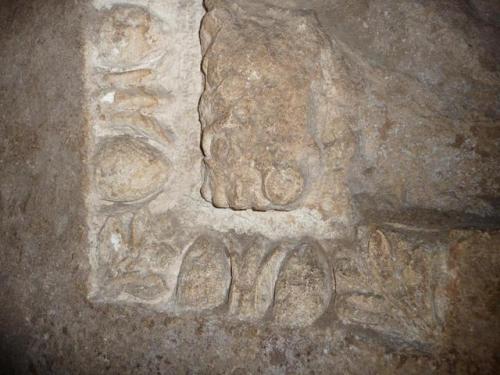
(42, 128)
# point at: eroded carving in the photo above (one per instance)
(143, 258)
(395, 286)
(132, 99)
(246, 269)
(267, 277)
(304, 287)
(128, 269)
(128, 36)
(261, 123)
(263, 82)
(205, 275)
(128, 169)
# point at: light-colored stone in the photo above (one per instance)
(396, 284)
(266, 80)
(128, 35)
(305, 286)
(409, 94)
(303, 201)
(205, 275)
(128, 169)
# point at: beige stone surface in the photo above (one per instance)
(205, 275)
(260, 109)
(265, 186)
(128, 170)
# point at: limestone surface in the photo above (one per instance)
(265, 108)
(249, 187)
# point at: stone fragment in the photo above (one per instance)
(127, 169)
(264, 80)
(205, 275)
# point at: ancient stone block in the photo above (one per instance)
(157, 242)
(300, 218)
(265, 77)
(274, 151)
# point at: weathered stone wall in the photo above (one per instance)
(251, 187)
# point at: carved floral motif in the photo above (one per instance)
(397, 286)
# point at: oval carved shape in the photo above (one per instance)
(129, 170)
(304, 287)
(205, 275)
(283, 186)
(128, 36)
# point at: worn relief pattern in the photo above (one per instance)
(239, 209)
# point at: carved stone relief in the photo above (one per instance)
(128, 169)
(157, 242)
(248, 216)
(266, 82)
(258, 110)
(396, 284)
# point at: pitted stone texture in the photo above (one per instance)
(205, 275)
(304, 287)
(247, 260)
(46, 324)
(396, 284)
(128, 169)
(473, 319)
(267, 77)
(147, 258)
(125, 271)
(129, 35)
